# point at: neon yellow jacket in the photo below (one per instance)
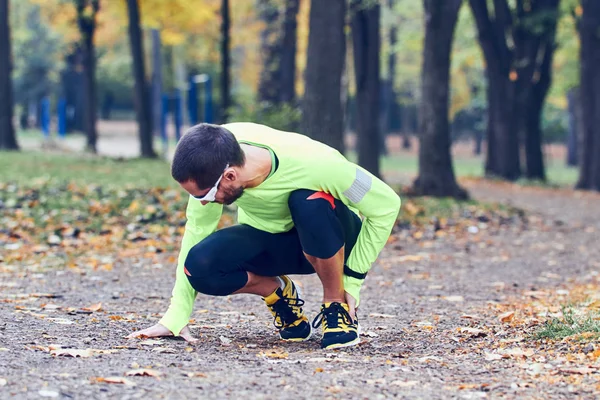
(303, 164)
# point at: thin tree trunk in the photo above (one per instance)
(225, 61)
(269, 85)
(589, 175)
(142, 97)
(87, 26)
(322, 104)
(573, 136)
(436, 174)
(8, 140)
(288, 52)
(366, 44)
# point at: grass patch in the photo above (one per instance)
(572, 322)
(24, 167)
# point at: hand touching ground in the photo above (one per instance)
(159, 331)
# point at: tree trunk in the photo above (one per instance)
(388, 92)
(288, 52)
(510, 41)
(589, 176)
(86, 19)
(573, 137)
(142, 97)
(436, 174)
(8, 140)
(366, 44)
(225, 61)
(269, 88)
(322, 104)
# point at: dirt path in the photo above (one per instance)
(430, 321)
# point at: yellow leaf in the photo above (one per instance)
(93, 307)
(115, 379)
(507, 316)
(317, 370)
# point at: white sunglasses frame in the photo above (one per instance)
(210, 196)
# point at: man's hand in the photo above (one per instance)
(158, 331)
(351, 301)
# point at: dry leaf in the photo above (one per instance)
(474, 332)
(93, 307)
(454, 298)
(580, 370)
(224, 341)
(3, 382)
(48, 393)
(274, 354)
(115, 379)
(507, 316)
(382, 315)
(317, 370)
(62, 321)
(195, 375)
(71, 353)
(493, 357)
(163, 350)
(142, 372)
(151, 342)
(404, 384)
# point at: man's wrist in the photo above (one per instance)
(352, 286)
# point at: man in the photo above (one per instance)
(298, 204)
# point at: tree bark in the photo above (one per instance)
(269, 85)
(87, 27)
(366, 44)
(322, 104)
(142, 95)
(8, 140)
(288, 52)
(589, 175)
(436, 174)
(574, 136)
(225, 61)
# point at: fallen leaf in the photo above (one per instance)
(404, 383)
(381, 315)
(474, 332)
(62, 321)
(224, 341)
(493, 357)
(151, 342)
(454, 298)
(93, 307)
(370, 334)
(507, 316)
(468, 316)
(143, 372)
(3, 382)
(48, 393)
(115, 379)
(317, 370)
(580, 370)
(163, 350)
(195, 375)
(71, 353)
(274, 354)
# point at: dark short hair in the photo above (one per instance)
(202, 154)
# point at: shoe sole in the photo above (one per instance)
(340, 345)
(309, 324)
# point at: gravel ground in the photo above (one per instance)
(429, 315)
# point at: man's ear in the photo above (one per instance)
(230, 174)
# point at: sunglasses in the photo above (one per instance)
(210, 196)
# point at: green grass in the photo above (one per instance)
(24, 167)
(571, 323)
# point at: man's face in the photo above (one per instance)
(228, 189)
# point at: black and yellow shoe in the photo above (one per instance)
(339, 330)
(286, 306)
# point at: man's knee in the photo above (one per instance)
(202, 273)
(307, 207)
(319, 229)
